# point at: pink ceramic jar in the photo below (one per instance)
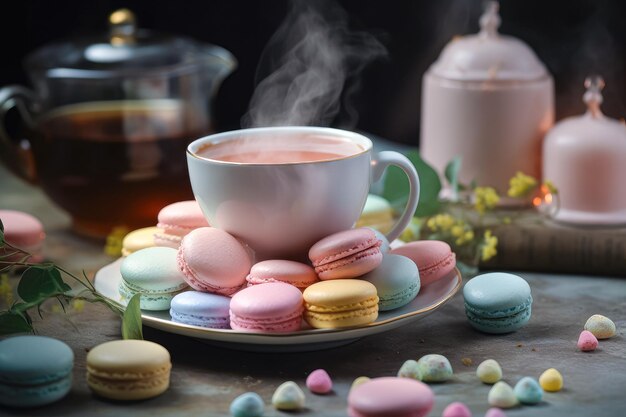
(490, 100)
(585, 158)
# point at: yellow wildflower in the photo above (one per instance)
(113, 246)
(457, 230)
(489, 246)
(485, 198)
(466, 237)
(549, 185)
(412, 230)
(78, 305)
(6, 290)
(521, 185)
(441, 222)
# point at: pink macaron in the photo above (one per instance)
(295, 273)
(213, 261)
(434, 258)
(270, 307)
(24, 232)
(177, 220)
(346, 254)
(390, 396)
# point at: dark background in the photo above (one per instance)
(572, 37)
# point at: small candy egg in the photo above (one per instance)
(319, 382)
(551, 380)
(288, 396)
(602, 327)
(409, 369)
(528, 391)
(502, 395)
(495, 412)
(587, 342)
(434, 368)
(358, 381)
(456, 409)
(489, 371)
(249, 404)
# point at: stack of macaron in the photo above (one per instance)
(352, 275)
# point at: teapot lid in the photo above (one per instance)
(488, 55)
(126, 49)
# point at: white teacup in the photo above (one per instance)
(281, 189)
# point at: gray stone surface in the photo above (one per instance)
(205, 379)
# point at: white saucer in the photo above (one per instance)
(428, 300)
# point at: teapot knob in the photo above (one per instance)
(593, 96)
(490, 19)
(122, 27)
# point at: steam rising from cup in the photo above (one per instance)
(308, 60)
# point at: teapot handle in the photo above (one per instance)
(16, 153)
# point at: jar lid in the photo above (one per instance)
(488, 55)
(124, 50)
(592, 128)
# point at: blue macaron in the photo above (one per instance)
(497, 302)
(201, 309)
(34, 371)
(397, 281)
(154, 273)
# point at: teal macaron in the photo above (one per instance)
(34, 371)
(397, 281)
(153, 273)
(497, 302)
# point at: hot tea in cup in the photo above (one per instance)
(281, 189)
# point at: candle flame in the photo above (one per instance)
(537, 201)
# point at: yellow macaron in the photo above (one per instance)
(128, 369)
(138, 239)
(340, 303)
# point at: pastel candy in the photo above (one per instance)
(319, 382)
(495, 412)
(551, 380)
(358, 381)
(489, 371)
(528, 391)
(249, 404)
(288, 396)
(502, 395)
(434, 368)
(602, 327)
(587, 342)
(409, 369)
(456, 409)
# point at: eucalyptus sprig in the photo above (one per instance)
(42, 281)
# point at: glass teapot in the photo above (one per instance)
(105, 129)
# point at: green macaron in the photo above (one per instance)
(153, 273)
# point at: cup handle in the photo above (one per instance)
(15, 153)
(379, 164)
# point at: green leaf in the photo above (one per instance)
(396, 187)
(13, 323)
(452, 174)
(131, 321)
(1, 232)
(41, 282)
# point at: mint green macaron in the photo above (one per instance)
(153, 273)
(497, 302)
